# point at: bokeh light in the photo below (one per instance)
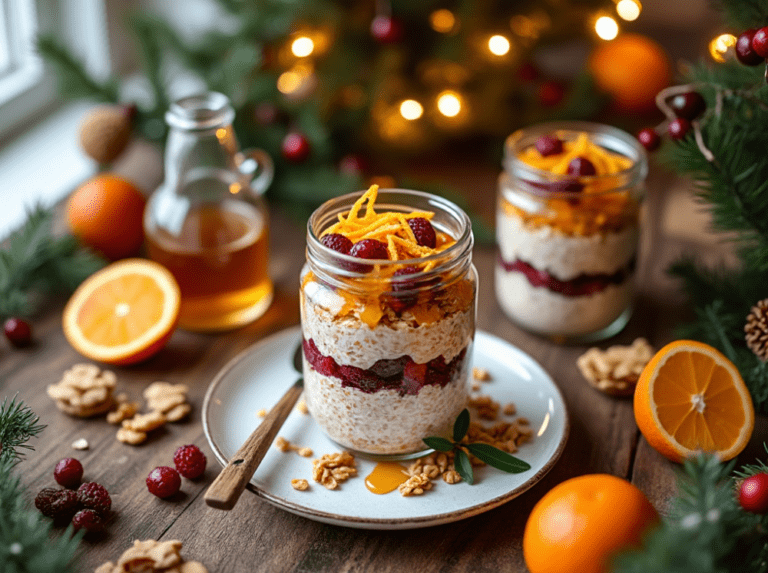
(449, 103)
(302, 47)
(411, 109)
(606, 28)
(442, 21)
(628, 10)
(498, 45)
(719, 46)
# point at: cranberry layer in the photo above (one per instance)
(580, 286)
(401, 374)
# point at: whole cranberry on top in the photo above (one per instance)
(189, 461)
(423, 231)
(549, 145)
(163, 481)
(68, 472)
(337, 242)
(581, 166)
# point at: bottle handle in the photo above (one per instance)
(257, 164)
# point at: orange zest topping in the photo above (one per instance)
(605, 162)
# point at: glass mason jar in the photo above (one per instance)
(207, 222)
(387, 358)
(568, 243)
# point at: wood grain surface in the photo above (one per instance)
(255, 536)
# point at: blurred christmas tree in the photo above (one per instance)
(326, 85)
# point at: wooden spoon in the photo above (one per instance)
(225, 490)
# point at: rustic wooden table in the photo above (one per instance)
(255, 536)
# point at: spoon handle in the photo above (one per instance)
(225, 490)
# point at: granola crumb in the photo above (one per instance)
(510, 409)
(282, 444)
(300, 484)
(332, 469)
(261, 413)
(415, 485)
(302, 407)
(523, 421)
(305, 452)
(486, 407)
(475, 387)
(481, 374)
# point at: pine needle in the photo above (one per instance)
(17, 425)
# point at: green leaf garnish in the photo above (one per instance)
(461, 425)
(439, 444)
(463, 466)
(498, 458)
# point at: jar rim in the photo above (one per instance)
(200, 112)
(329, 210)
(609, 137)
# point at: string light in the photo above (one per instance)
(411, 109)
(606, 28)
(302, 47)
(628, 10)
(449, 103)
(442, 21)
(289, 81)
(720, 46)
(498, 45)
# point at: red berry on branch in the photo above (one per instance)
(549, 145)
(689, 105)
(163, 481)
(551, 93)
(386, 29)
(581, 166)
(744, 52)
(68, 473)
(18, 332)
(189, 461)
(295, 147)
(353, 164)
(678, 128)
(649, 139)
(753, 493)
(267, 113)
(760, 42)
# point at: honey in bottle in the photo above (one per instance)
(207, 223)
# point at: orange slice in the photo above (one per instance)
(691, 398)
(123, 313)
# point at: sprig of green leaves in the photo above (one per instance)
(492, 456)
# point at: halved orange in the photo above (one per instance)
(124, 313)
(691, 398)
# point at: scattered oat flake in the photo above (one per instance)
(81, 444)
(481, 374)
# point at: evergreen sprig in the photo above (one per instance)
(491, 455)
(706, 530)
(35, 261)
(26, 542)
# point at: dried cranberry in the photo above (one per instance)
(581, 166)
(163, 481)
(68, 472)
(367, 249)
(549, 145)
(337, 242)
(400, 302)
(649, 139)
(389, 367)
(94, 496)
(361, 379)
(189, 461)
(423, 231)
(56, 503)
(89, 520)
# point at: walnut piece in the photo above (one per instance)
(486, 407)
(451, 477)
(615, 370)
(168, 399)
(84, 391)
(123, 411)
(415, 485)
(332, 469)
(300, 484)
(152, 557)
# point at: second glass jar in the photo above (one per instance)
(387, 360)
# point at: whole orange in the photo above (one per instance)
(580, 524)
(632, 69)
(106, 214)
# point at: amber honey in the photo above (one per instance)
(219, 256)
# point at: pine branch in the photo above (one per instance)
(75, 79)
(17, 425)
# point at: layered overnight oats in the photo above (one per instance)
(568, 223)
(388, 319)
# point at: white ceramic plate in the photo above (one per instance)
(259, 376)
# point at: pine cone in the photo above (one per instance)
(756, 329)
(105, 131)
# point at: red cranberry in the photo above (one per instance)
(689, 105)
(163, 481)
(423, 231)
(649, 139)
(549, 145)
(386, 29)
(581, 166)
(189, 461)
(295, 147)
(368, 249)
(744, 51)
(353, 164)
(337, 242)
(678, 128)
(56, 503)
(18, 332)
(760, 42)
(89, 520)
(753, 493)
(94, 496)
(68, 473)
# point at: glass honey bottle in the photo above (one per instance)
(207, 222)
